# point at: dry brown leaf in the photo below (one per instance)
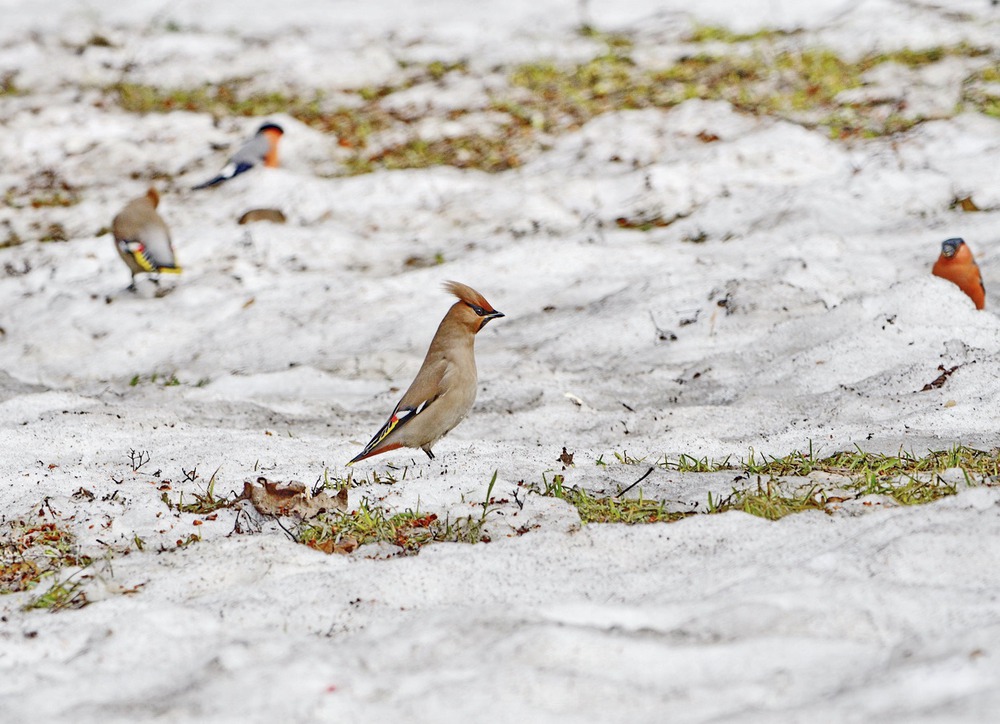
(966, 204)
(291, 498)
(939, 381)
(347, 544)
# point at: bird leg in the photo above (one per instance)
(428, 451)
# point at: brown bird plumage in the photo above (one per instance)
(142, 238)
(957, 265)
(444, 389)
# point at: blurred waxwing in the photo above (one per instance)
(957, 265)
(142, 238)
(261, 149)
(444, 389)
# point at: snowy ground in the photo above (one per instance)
(796, 282)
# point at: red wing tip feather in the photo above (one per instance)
(468, 295)
(377, 451)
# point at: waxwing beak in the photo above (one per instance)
(492, 315)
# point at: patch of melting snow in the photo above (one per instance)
(779, 297)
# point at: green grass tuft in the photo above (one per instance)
(761, 74)
(906, 478)
(60, 596)
(718, 34)
(768, 501)
(410, 530)
(199, 503)
(31, 550)
(609, 508)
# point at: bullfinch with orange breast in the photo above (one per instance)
(261, 149)
(957, 265)
(444, 389)
(142, 238)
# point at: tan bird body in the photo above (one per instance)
(444, 389)
(143, 239)
(957, 265)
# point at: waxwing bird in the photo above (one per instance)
(261, 149)
(957, 265)
(142, 238)
(444, 389)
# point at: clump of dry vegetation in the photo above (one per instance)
(760, 73)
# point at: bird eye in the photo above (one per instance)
(478, 310)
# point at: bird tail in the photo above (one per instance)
(400, 416)
(371, 450)
(231, 170)
(213, 182)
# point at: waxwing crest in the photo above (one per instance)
(468, 295)
(153, 196)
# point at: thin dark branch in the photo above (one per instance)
(646, 475)
(289, 533)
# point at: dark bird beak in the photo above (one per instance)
(492, 315)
